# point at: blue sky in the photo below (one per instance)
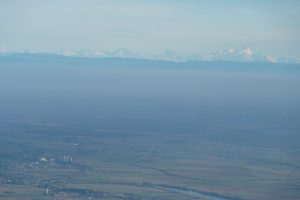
(152, 26)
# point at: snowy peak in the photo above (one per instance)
(178, 56)
(246, 53)
(120, 53)
(79, 53)
(242, 55)
(123, 53)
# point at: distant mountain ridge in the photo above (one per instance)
(39, 59)
(233, 55)
(241, 55)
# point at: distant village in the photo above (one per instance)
(9, 175)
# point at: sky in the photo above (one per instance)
(152, 26)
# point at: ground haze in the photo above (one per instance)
(74, 128)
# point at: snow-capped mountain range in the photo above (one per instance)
(241, 55)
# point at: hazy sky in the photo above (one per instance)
(152, 26)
